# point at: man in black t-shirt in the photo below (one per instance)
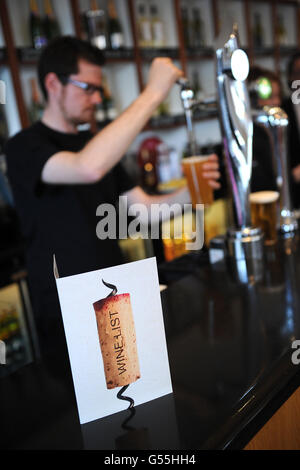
(59, 176)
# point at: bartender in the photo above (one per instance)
(59, 175)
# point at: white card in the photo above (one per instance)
(76, 295)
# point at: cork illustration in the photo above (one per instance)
(117, 339)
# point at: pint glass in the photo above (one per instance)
(201, 192)
(264, 213)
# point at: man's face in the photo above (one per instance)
(77, 106)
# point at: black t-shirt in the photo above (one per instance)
(60, 219)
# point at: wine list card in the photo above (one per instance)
(115, 336)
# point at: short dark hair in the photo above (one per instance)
(61, 56)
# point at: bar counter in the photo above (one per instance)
(230, 354)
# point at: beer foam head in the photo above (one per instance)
(195, 159)
(264, 197)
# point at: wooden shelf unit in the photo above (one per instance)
(14, 57)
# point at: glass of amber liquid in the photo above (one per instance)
(200, 190)
(264, 213)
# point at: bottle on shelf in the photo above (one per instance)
(106, 111)
(258, 32)
(157, 28)
(198, 33)
(148, 163)
(282, 32)
(115, 31)
(37, 32)
(185, 26)
(36, 107)
(144, 27)
(51, 26)
(149, 177)
(97, 26)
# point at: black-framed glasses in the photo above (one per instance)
(88, 88)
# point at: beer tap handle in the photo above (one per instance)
(187, 98)
(189, 104)
(275, 121)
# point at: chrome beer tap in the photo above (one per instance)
(189, 104)
(243, 244)
(275, 122)
(236, 125)
(243, 241)
(236, 122)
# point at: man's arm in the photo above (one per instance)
(105, 150)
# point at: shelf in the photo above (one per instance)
(17, 58)
(173, 121)
(263, 51)
(30, 56)
(166, 122)
(270, 51)
(288, 50)
(120, 55)
(200, 53)
(148, 54)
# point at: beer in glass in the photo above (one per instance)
(264, 213)
(200, 190)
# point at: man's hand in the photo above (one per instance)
(211, 171)
(162, 76)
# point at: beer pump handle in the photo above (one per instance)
(189, 104)
(275, 122)
(187, 98)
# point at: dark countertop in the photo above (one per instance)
(230, 350)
